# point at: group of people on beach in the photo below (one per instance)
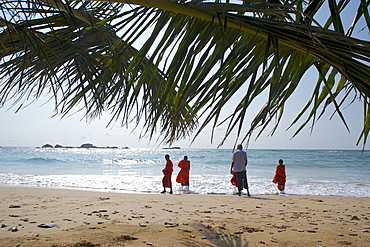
(237, 169)
(182, 176)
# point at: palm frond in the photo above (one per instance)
(195, 57)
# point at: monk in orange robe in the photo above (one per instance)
(167, 172)
(280, 176)
(183, 176)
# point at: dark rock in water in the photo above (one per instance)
(47, 146)
(172, 148)
(87, 145)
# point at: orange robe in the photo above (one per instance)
(183, 176)
(167, 172)
(280, 177)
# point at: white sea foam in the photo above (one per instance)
(309, 172)
(198, 184)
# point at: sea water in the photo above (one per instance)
(309, 172)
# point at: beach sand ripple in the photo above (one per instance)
(72, 218)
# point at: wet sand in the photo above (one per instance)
(56, 217)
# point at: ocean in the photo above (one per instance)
(139, 170)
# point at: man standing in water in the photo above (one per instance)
(183, 176)
(167, 172)
(238, 165)
(280, 177)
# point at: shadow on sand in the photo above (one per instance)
(261, 198)
(217, 237)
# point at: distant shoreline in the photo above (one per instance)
(206, 148)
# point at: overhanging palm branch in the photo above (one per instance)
(196, 56)
(79, 58)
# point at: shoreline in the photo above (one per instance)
(176, 192)
(308, 172)
(150, 219)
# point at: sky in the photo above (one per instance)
(35, 126)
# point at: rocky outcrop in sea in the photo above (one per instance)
(85, 145)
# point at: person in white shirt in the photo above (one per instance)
(238, 165)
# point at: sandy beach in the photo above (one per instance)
(56, 217)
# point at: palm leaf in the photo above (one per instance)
(195, 58)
